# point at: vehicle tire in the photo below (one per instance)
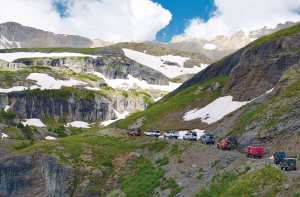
(152, 136)
(285, 168)
(222, 148)
(218, 146)
(133, 134)
(295, 169)
(165, 136)
(246, 154)
(213, 143)
(171, 137)
(229, 148)
(176, 138)
(127, 134)
(280, 168)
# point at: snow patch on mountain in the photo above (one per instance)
(120, 116)
(209, 46)
(157, 63)
(33, 122)
(129, 83)
(10, 57)
(79, 124)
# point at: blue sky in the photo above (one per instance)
(182, 12)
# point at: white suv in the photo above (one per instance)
(171, 134)
(153, 133)
(190, 136)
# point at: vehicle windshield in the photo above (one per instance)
(280, 154)
(175, 132)
(194, 134)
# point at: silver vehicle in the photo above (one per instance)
(171, 134)
(207, 138)
(153, 133)
(190, 136)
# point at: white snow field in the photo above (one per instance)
(50, 138)
(33, 122)
(78, 124)
(4, 135)
(157, 99)
(157, 62)
(44, 81)
(120, 116)
(217, 109)
(209, 46)
(6, 108)
(10, 57)
(128, 83)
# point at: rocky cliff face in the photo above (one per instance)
(74, 107)
(20, 173)
(220, 46)
(254, 69)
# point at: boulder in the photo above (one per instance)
(134, 155)
(200, 89)
(287, 186)
(216, 87)
(97, 173)
(209, 90)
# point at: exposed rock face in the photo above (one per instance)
(14, 35)
(11, 65)
(254, 69)
(20, 173)
(223, 45)
(111, 68)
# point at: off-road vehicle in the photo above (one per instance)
(207, 138)
(190, 136)
(135, 132)
(224, 144)
(288, 163)
(255, 150)
(278, 156)
(153, 133)
(171, 134)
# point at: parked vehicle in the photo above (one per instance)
(153, 133)
(255, 150)
(224, 144)
(171, 134)
(135, 132)
(207, 138)
(190, 136)
(278, 156)
(288, 163)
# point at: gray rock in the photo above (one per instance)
(198, 100)
(116, 193)
(97, 173)
(200, 89)
(209, 90)
(216, 87)
(287, 186)
(134, 155)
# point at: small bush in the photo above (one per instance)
(162, 161)
(201, 169)
(106, 163)
(125, 94)
(20, 125)
(180, 160)
(182, 172)
(200, 176)
(8, 115)
(247, 168)
(215, 163)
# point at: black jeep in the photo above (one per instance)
(278, 156)
(288, 163)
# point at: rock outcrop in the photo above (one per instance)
(110, 67)
(20, 173)
(254, 69)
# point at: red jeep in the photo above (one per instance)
(135, 132)
(255, 150)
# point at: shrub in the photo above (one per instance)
(125, 94)
(27, 131)
(106, 163)
(162, 161)
(200, 176)
(215, 163)
(8, 115)
(182, 172)
(20, 125)
(180, 160)
(201, 169)
(247, 168)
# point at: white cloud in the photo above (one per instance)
(110, 20)
(235, 15)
